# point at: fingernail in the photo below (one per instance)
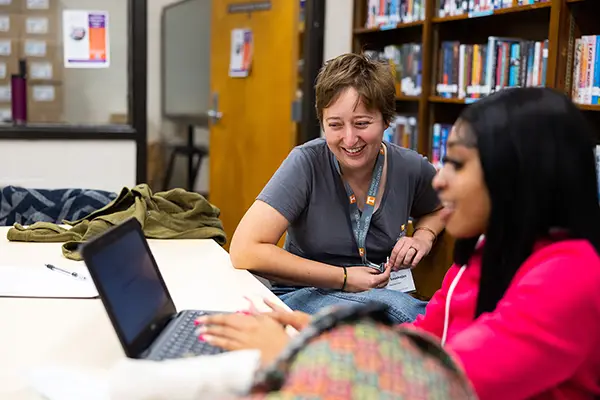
(244, 312)
(252, 306)
(201, 338)
(201, 330)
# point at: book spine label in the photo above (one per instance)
(596, 84)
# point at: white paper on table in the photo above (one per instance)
(39, 281)
(402, 280)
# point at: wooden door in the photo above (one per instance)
(254, 131)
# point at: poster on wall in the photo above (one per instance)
(85, 38)
(240, 59)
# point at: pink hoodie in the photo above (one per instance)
(543, 339)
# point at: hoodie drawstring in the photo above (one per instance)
(448, 300)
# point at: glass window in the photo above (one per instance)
(40, 36)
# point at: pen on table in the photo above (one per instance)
(64, 271)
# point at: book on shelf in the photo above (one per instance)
(449, 8)
(529, 2)
(597, 156)
(439, 138)
(471, 71)
(302, 11)
(406, 63)
(402, 131)
(389, 13)
(586, 70)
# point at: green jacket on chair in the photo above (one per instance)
(174, 214)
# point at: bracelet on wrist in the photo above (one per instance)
(345, 279)
(424, 228)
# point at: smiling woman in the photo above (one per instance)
(344, 201)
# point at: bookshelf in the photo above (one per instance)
(543, 37)
(584, 31)
(548, 29)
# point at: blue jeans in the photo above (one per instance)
(402, 307)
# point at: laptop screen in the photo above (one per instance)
(130, 285)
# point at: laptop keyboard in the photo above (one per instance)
(183, 342)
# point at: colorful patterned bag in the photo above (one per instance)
(356, 353)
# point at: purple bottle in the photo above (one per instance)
(18, 86)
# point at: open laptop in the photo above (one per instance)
(136, 298)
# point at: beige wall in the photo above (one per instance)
(154, 112)
(54, 164)
(338, 28)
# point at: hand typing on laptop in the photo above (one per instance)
(244, 331)
(296, 319)
(252, 330)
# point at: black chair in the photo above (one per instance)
(195, 155)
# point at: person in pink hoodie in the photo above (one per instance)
(520, 307)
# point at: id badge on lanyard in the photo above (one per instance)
(362, 221)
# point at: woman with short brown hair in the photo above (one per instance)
(345, 201)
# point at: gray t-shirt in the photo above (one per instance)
(308, 191)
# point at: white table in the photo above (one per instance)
(77, 332)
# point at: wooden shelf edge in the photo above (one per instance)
(451, 100)
(402, 25)
(403, 97)
(589, 107)
(508, 10)
(575, 1)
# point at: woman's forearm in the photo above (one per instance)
(274, 263)
(429, 226)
